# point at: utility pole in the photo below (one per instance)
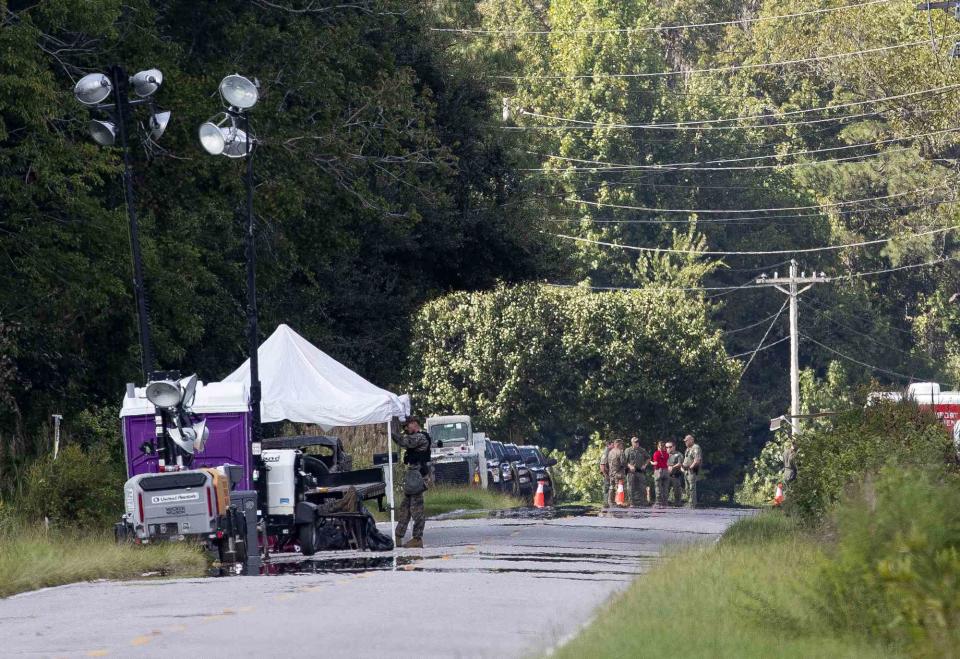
(790, 285)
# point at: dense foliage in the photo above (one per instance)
(421, 151)
(860, 443)
(895, 573)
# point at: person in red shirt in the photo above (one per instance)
(660, 473)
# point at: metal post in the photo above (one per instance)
(794, 346)
(253, 342)
(119, 79)
(390, 496)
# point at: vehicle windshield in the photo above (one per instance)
(500, 451)
(513, 455)
(493, 452)
(450, 432)
(529, 455)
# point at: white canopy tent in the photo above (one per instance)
(302, 383)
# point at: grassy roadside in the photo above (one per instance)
(32, 558)
(718, 601)
(446, 498)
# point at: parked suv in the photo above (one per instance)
(523, 483)
(493, 456)
(539, 466)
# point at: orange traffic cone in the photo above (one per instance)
(620, 498)
(778, 497)
(539, 499)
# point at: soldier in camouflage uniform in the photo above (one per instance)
(637, 460)
(416, 443)
(675, 482)
(789, 462)
(692, 461)
(603, 470)
(616, 470)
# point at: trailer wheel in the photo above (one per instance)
(308, 538)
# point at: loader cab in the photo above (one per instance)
(451, 431)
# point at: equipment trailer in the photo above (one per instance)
(308, 495)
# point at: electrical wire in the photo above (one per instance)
(659, 28)
(750, 326)
(878, 369)
(805, 250)
(757, 219)
(757, 349)
(719, 161)
(761, 349)
(693, 123)
(727, 69)
(667, 168)
(857, 275)
(701, 211)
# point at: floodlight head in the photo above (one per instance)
(164, 393)
(236, 143)
(92, 88)
(158, 124)
(189, 385)
(211, 138)
(103, 133)
(146, 82)
(239, 92)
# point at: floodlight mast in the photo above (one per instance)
(120, 81)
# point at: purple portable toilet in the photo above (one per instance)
(225, 406)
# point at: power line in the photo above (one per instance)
(726, 69)
(758, 219)
(701, 211)
(878, 369)
(751, 325)
(660, 28)
(760, 348)
(719, 161)
(806, 250)
(757, 349)
(677, 125)
(680, 168)
(857, 275)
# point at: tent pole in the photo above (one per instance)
(393, 526)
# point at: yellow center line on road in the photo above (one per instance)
(98, 653)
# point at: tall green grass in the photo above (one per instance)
(725, 600)
(32, 558)
(441, 499)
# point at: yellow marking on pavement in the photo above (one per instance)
(141, 640)
(213, 617)
(284, 597)
(245, 609)
(342, 581)
(471, 548)
(446, 557)
(177, 628)
(98, 653)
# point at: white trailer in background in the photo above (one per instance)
(945, 404)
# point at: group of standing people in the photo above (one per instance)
(672, 472)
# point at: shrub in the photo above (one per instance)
(82, 488)
(860, 442)
(580, 479)
(895, 572)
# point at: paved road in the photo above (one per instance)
(512, 586)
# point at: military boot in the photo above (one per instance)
(414, 543)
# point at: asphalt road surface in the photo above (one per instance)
(509, 586)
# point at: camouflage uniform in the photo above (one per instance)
(616, 470)
(412, 504)
(603, 471)
(692, 454)
(636, 481)
(675, 483)
(789, 463)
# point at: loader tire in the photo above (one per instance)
(308, 539)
